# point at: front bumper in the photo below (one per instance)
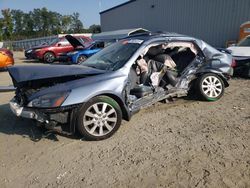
(64, 58)
(20, 111)
(30, 55)
(50, 118)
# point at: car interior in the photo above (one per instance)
(160, 66)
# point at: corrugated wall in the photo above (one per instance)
(214, 21)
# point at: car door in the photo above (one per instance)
(63, 46)
(186, 75)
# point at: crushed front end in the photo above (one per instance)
(60, 119)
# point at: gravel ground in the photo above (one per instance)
(183, 144)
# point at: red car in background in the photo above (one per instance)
(51, 52)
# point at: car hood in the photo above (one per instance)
(37, 47)
(238, 51)
(21, 74)
(74, 41)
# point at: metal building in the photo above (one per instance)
(214, 21)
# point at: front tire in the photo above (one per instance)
(81, 59)
(49, 57)
(210, 87)
(99, 118)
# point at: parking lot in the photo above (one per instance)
(186, 143)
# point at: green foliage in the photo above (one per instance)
(17, 25)
(95, 29)
(76, 24)
(7, 24)
(1, 30)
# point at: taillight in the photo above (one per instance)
(234, 64)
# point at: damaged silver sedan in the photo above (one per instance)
(93, 97)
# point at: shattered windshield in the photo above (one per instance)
(114, 56)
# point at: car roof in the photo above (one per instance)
(148, 35)
(151, 37)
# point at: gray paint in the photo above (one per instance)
(114, 83)
(214, 21)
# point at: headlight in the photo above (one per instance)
(37, 50)
(29, 51)
(49, 101)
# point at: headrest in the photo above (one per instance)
(153, 51)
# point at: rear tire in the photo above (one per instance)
(210, 87)
(49, 57)
(99, 118)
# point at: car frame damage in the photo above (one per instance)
(60, 119)
(136, 72)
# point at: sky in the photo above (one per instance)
(88, 9)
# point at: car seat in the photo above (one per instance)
(170, 76)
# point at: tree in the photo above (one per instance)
(95, 29)
(37, 19)
(76, 26)
(18, 17)
(45, 17)
(18, 25)
(7, 24)
(29, 25)
(1, 30)
(65, 23)
(55, 23)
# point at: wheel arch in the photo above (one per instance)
(213, 72)
(50, 52)
(78, 55)
(126, 115)
(125, 112)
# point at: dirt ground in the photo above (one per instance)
(183, 144)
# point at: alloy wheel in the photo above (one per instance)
(211, 86)
(100, 119)
(49, 57)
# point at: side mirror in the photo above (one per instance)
(59, 44)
